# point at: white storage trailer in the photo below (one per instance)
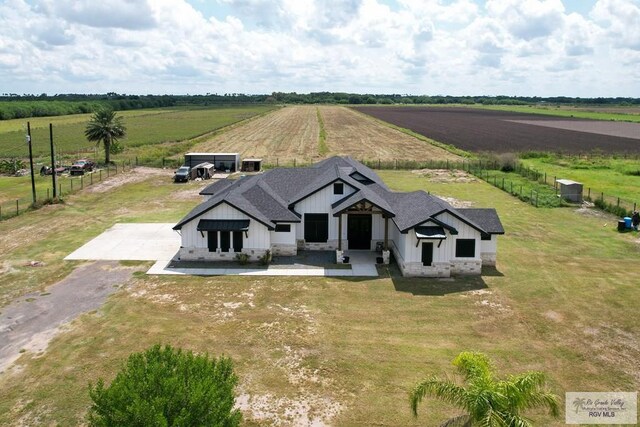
(570, 190)
(221, 161)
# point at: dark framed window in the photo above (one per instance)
(485, 236)
(338, 188)
(465, 248)
(237, 241)
(316, 227)
(225, 241)
(283, 228)
(427, 253)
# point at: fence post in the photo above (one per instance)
(545, 178)
(47, 193)
(602, 196)
(108, 168)
(17, 207)
(502, 183)
(589, 193)
(81, 182)
(163, 162)
(59, 189)
(136, 160)
(618, 205)
(91, 179)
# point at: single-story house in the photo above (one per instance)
(338, 204)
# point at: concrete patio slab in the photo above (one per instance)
(135, 242)
(369, 270)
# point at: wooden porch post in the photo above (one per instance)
(386, 233)
(340, 232)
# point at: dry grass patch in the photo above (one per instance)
(350, 133)
(280, 136)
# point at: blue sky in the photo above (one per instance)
(582, 48)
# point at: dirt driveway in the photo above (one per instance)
(30, 322)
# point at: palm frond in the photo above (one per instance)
(446, 391)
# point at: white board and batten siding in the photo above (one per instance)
(447, 250)
(285, 237)
(320, 202)
(258, 235)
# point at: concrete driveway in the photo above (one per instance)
(135, 242)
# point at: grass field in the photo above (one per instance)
(144, 127)
(294, 133)
(343, 352)
(617, 177)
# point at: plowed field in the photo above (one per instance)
(474, 129)
(293, 132)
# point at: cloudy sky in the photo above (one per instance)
(582, 48)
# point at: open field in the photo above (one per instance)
(614, 176)
(144, 127)
(483, 130)
(315, 351)
(624, 114)
(294, 131)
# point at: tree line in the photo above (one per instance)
(14, 106)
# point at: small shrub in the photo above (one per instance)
(167, 387)
(507, 162)
(614, 209)
(266, 258)
(242, 258)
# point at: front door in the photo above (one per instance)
(359, 231)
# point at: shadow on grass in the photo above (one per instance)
(422, 286)
(491, 271)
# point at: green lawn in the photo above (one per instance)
(617, 177)
(144, 127)
(563, 299)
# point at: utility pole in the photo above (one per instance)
(53, 162)
(33, 180)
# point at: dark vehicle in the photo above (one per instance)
(182, 174)
(81, 166)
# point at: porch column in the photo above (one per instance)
(386, 233)
(340, 232)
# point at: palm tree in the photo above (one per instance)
(488, 402)
(105, 127)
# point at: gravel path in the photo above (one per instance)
(30, 322)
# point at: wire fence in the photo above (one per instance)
(66, 185)
(529, 185)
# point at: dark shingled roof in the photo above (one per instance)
(217, 187)
(487, 218)
(270, 197)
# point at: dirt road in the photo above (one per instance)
(30, 322)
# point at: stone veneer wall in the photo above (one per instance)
(203, 254)
(488, 258)
(284, 249)
(471, 266)
(329, 245)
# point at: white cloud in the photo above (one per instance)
(426, 46)
(131, 14)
